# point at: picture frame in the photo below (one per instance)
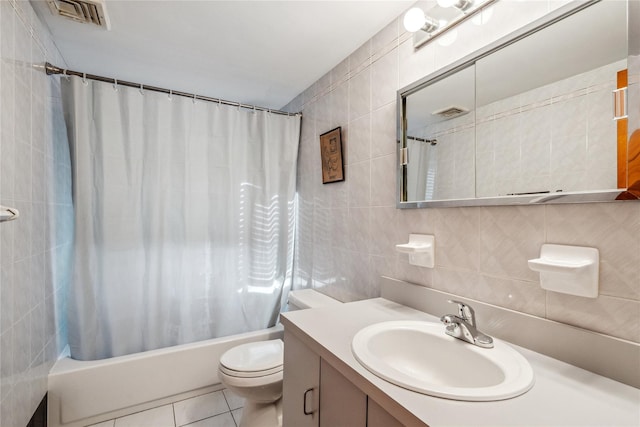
(331, 156)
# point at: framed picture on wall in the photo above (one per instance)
(331, 155)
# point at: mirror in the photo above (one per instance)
(529, 120)
(440, 139)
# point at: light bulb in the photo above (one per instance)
(446, 3)
(414, 19)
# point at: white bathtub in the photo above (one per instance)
(83, 393)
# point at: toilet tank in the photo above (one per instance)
(309, 298)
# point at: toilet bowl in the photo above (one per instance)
(254, 370)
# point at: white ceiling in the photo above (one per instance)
(255, 52)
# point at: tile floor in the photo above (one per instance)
(217, 409)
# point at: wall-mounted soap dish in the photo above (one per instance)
(421, 250)
(571, 270)
(8, 214)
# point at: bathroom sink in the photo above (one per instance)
(419, 356)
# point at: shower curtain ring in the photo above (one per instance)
(254, 109)
(115, 85)
(141, 89)
(170, 93)
(194, 98)
(84, 79)
(219, 102)
(65, 75)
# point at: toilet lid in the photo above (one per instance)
(254, 357)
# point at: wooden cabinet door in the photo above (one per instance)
(341, 403)
(301, 384)
(378, 417)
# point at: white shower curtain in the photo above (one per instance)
(184, 218)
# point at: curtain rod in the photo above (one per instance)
(52, 69)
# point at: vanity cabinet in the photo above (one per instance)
(378, 417)
(341, 402)
(315, 394)
(301, 384)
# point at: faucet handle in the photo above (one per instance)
(465, 312)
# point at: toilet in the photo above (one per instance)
(254, 370)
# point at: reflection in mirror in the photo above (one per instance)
(440, 139)
(544, 107)
(534, 117)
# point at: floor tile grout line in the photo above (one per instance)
(229, 406)
(226, 401)
(139, 412)
(173, 409)
(205, 418)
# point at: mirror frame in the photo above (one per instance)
(546, 198)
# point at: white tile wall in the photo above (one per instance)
(345, 240)
(34, 177)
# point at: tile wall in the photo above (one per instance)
(347, 230)
(35, 177)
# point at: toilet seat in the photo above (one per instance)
(246, 382)
(250, 374)
(254, 359)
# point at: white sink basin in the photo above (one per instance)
(419, 356)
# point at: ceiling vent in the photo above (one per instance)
(85, 11)
(450, 112)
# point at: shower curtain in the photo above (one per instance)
(184, 218)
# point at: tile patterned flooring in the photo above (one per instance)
(218, 409)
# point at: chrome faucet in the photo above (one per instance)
(463, 326)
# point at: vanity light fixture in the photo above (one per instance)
(426, 28)
(462, 5)
(415, 20)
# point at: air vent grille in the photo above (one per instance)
(450, 112)
(85, 11)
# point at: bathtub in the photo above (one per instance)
(87, 392)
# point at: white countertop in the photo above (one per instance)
(562, 395)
